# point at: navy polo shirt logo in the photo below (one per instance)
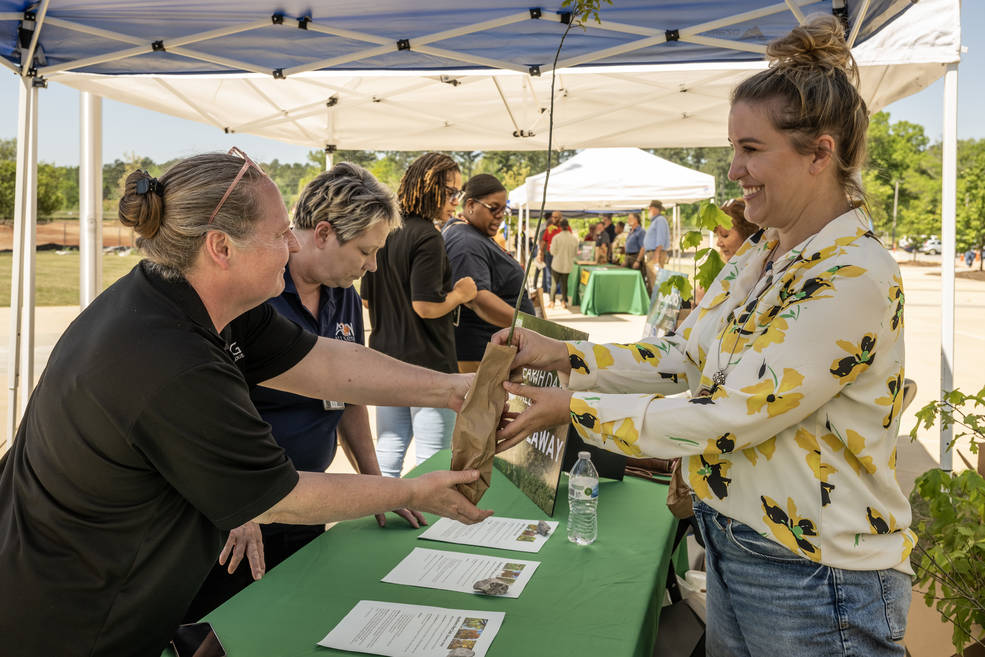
(344, 331)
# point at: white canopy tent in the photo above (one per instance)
(432, 75)
(614, 179)
(610, 179)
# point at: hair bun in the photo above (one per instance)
(142, 204)
(817, 44)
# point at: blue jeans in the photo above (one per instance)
(548, 259)
(396, 425)
(764, 600)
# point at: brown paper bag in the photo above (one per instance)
(473, 442)
(679, 494)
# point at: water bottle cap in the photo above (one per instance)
(585, 455)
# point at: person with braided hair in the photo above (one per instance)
(793, 364)
(413, 305)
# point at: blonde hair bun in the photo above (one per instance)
(141, 211)
(817, 44)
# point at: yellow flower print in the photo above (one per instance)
(896, 296)
(577, 359)
(895, 399)
(708, 475)
(880, 525)
(853, 444)
(583, 414)
(766, 448)
(625, 436)
(775, 395)
(642, 352)
(603, 357)
(789, 528)
(860, 356)
(774, 334)
(733, 341)
(853, 450)
(808, 442)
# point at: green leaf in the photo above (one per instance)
(708, 270)
(680, 283)
(710, 216)
(690, 238)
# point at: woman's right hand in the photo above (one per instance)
(465, 289)
(535, 351)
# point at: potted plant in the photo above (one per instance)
(949, 518)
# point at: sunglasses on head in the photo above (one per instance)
(247, 163)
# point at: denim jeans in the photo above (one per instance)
(548, 259)
(396, 425)
(764, 600)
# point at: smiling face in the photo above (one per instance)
(486, 213)
(266, 252)
(777, 184)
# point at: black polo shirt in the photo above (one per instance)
(138, 451)
(474, 254)
(411, 266)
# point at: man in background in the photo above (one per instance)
(656, 243)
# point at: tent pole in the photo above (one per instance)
(948, 239)
(28, 239)
(90, 197)
(25, 194)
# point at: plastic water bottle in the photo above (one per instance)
(583, 497)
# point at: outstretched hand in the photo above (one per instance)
(534, 350)
(435, 492)
(548, 408)
(245, 539)
(459, 386)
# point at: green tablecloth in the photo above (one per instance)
(600, 600)
(611, 290)
(574, 280)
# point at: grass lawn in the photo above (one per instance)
(57, 281)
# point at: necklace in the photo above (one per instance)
(721, 374)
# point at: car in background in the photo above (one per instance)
(931, 246)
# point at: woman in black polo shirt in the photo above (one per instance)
(498, 277)
(413, 304)
(140, 448)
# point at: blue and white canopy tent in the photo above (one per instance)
(432, 74)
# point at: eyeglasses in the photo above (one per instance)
(494, 210)
(239, 176)
(454, 193)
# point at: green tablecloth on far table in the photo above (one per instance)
(601, 289)
(603, 599)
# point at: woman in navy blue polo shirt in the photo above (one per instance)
(498, 277)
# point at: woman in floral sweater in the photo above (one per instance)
(793, 363)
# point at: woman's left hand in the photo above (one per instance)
(548, 408)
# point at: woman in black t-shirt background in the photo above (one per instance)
(412, 305)
(498, 277)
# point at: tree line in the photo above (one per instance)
(900, 155)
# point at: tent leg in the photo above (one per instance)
(25, 204)
(948, 239)
(90, 198)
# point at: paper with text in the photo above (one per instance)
(396, 630)
(494, 532)
(458, 571)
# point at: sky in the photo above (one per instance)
(128, 129)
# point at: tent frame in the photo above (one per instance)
(20, 366)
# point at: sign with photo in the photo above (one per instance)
(534, 465)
